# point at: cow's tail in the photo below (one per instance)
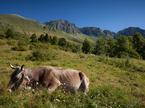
(84, 82)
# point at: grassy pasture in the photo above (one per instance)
(114, 83)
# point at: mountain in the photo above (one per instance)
(92, 31)
(62, 25)
(109, 33)
(68, 27)
(62, 28)
(19, 24)
(28, 26)
(130, 31)
(95, 31)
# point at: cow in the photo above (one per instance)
(17, 80)
(48, 77)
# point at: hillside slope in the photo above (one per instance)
(29, 26)
(20, 24)
(114, 83)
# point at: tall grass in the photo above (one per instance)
(114, 83)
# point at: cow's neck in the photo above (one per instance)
(28, 72)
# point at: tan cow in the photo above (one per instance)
(49, 77)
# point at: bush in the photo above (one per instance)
(44, 38)
(39, 45)
(100, 48)
(73, 47)
(54, 40)
(42, 55)
(76, 48)
(41, 38)
(21, 45)
(134, 54)
(34, 38)
(86, 46)
(2, 42)
(2, 36)
(10, 33)
(11, 42)
(62, 42)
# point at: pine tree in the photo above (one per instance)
(46, 38)
(100, 48)
(34, 38)
(123, 46)
(86, 48)
(54, 40)
(62, 42)
(41, 38)
(138, 42)
(9, 33)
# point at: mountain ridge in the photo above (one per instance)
(96, 31)
(28, 25)
(131, 31)
(63, 25)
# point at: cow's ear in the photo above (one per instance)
(22, 67)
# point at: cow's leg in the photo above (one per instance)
(53, 85)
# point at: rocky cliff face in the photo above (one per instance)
(62, 25)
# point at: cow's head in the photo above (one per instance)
(17, 78)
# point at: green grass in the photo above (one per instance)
(113, 82)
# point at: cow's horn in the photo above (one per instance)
(12, 66)
(22, 67)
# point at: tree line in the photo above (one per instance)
(121, 46)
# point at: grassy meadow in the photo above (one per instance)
(114, 82)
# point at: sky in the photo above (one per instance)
(112, 15)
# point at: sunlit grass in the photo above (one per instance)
(113, 83)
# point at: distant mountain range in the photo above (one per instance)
(130, 31)
(66, 26)
(94, 31)
(26, 25)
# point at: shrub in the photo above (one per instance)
(76, 48)
(11, 42)
(9, 33)
(73, 47)
(39, 45)
(2, 36)
(54, 40)
(100, 48)
(42, 55)
(2, 42)
(34, 38)
(62, 42)
(86, 46)
(41, 38)
(44, 38)
(134, 54)
(21, 45)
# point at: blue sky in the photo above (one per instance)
(107, 14)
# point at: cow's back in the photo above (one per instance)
(69, 78)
